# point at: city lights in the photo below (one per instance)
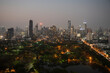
(90, 59)
(54, 36)
(1, 37)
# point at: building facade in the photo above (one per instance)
(30, 29)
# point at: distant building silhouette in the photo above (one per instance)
(69, 25)
(10, 33)
(36, 29)
(2, 30)
(69, 28)
(30, 29)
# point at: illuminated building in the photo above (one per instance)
(85, 26)
(83, 29)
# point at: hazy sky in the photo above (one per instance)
(55, 12)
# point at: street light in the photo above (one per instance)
(90, 59)
(1, 37)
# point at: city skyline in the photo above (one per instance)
(53, 12)
(54, 36)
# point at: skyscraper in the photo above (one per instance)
(36, 29)
(69, 28)
(10, 33)
(2, 30)
(30, 29)
(69, 25)
(72, 33)
(26, 31)
(85, 25)
(89, 35)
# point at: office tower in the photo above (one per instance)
(100, 32)
(53, 31)
(69, 28)
(41, 25)
(85, 25)
(53, 28)
(69, 25)
(30, 29)
(10, 33)
(36, 28)
(72, 32)
(26, 31)
(89, 35)
(2, 30)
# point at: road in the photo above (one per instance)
(97, 50)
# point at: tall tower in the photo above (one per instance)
(72, 33)
(30, 29)
(69, 28)
(26, 31)
(41, 25)
(69, 25)
(85, 25)
(36, 29)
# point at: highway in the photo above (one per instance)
(97, 50)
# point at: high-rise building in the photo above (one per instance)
(36, 30)
(85, 25)
(41, 24)
(69, 25)
(72, 32)
(100, 32)
(10, 33)
(69, 28)
(2, 30)
(30, 29)
(26, 31)
(89, 35)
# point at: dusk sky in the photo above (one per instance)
(55, 12)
